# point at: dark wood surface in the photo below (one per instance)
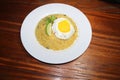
(101, 61)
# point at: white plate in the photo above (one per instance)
(49, 56)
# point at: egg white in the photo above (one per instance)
(58, 33)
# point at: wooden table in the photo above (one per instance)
(101, 61)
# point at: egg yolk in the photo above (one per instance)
(64, 26)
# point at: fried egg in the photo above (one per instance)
(62, 28)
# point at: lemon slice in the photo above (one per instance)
(48, 29)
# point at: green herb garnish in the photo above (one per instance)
(49, 22)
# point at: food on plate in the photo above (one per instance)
(62, 28)
(56, 32)
(49, 23)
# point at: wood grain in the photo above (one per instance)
(101, 61)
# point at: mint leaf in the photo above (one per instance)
(52, 18)
(49, 22)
